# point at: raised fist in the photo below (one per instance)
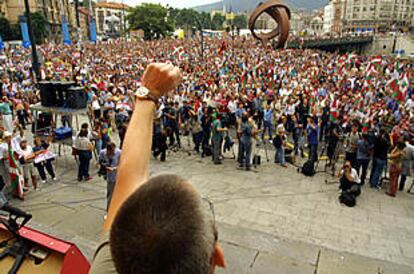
(161, 78)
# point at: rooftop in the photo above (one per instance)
(111, 5)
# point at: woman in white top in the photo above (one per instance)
(84, 147)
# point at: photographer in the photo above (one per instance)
(245, 132)
(109, 162)
(217, 138)
(349, 180)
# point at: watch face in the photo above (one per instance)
(142, 92)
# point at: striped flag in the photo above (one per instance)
(16, 177)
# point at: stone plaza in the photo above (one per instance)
(270, 220)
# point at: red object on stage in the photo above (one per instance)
(63, 257)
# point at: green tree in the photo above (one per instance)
(39, 26)
(240, 21)
(5, 28)
(152, 19)
(217, 21)
(206, 21)
(185, 18)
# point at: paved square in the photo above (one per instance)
(271, 220)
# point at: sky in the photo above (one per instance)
(173, 3)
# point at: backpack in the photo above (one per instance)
(308, 168)
(347, 199)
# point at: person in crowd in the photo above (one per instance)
(4, 161)
(280, 142)
(26, 158)
(381, 148)
(196, 131)
(407, 163)
(297, 135)
(109, 159)
(396, 158)
(351, 143)
(268, 122)
(312, 131)
(159, 146)
(38, 148)
(217, 138)
(6, 113)
(206, 122)
(246, 135)
(364, 155)
(84, 148)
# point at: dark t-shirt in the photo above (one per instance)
(381, 147)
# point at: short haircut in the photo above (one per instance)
(163, 228)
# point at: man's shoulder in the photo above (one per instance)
(103, 263)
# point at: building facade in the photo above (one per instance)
(376, 15)
(110, 18)
(332, 18)
(316, 25)
(297, 23)
(52, 10)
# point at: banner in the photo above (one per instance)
(65, 31)
(1, 43)
(25, 32)
(93, 30)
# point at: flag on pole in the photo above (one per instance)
(16, 177)
(393, 84)
(25, 32)
(65, 31)
(92, 26)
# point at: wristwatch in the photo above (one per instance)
(145, 94)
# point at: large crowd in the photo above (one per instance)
(233, 89)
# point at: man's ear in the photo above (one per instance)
(218, 256)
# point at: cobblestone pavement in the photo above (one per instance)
(271, 220)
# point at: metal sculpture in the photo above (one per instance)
(280, 13)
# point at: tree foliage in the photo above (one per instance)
(5, 28)
(240, 21)
(152, 19)
(39, 26)
(218, 21)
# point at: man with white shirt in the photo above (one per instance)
(26, 158)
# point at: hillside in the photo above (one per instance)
(249, 5)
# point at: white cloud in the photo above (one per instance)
(173, 3)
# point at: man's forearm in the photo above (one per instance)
(134, 165)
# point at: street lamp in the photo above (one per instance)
(35, 59)
(200, 28)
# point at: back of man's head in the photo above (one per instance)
(163, 228)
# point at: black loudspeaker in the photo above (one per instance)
(62, 94)
(47, 95)
(60, 90)
(76, 97)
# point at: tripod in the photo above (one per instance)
(333, 162)
(19, 249)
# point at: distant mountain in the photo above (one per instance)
(249, 5)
